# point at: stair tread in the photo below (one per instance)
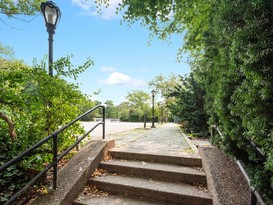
(150, 184)
(172, 168)
(192, 156)
(187, 160)
(116, 200)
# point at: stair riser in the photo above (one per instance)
(184, 161)
(156, 174)
(152, 194)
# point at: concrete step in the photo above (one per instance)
(165, 172)
(116, 200)
(177, 193)
(179, 160)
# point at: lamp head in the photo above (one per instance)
(153, 92)
(51, 13)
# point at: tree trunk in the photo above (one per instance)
(12, 132)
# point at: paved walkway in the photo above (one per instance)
(112, 127)
(166, 139)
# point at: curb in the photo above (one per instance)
(210, 182)
(190, 143)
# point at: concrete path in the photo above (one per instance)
(141, 159)
(112, 127)
(166, 139)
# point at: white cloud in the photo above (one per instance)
(106, 69)
(89, 8)
(117, 78)
(83, 4)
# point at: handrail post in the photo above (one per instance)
(144, 120)
(103, 119)
(253, 198)
(212, 131)
(55, 160)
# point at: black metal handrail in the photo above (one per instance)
(56, 158)
(254, 195)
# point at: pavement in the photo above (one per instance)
(112, 127)
(166, 139)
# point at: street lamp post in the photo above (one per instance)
(153, 110)
(51, 14)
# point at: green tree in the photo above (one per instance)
(110, 109)
(189, 106)
(189, 18)
(137, 105)
(5, 51)
(25, 96)
(238, 77)
(13, 8)
(85, 105)
(124, 111)
(163, 87)
(26, 117)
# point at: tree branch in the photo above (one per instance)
(12, 132)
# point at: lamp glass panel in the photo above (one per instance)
(51, 15)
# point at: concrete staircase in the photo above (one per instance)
(138, 178)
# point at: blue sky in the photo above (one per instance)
(123, 59)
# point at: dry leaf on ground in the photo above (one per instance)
(99, 172)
